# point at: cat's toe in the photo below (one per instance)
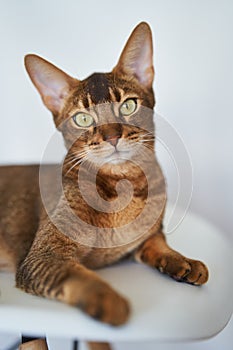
(183, 269)
(106, 305)
(199, 273)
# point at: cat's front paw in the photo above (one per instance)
(99, 301)
(183, 269)
(105, 305)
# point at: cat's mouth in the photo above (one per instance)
(118, 157)
(115, 155)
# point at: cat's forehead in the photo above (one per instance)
(105, 87)
(98, 87)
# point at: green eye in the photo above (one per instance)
(83, 119)
(128, 107)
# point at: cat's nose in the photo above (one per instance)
(112, 139)
(111, 133)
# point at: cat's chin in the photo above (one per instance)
(117, 158)
(116, 161)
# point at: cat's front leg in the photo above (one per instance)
(70, 282)
(155, 252)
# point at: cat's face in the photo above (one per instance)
(108, 117)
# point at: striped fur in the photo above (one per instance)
(51, 264)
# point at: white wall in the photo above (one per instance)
(193, 55)
(193, 60)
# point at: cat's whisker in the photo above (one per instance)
(145, 154)
(75, 156)
(147, 133)
(147, 139)
(79, 161)
(70, 161)
(90, 165)
(148, 143)
(70, 165)
(76, 164)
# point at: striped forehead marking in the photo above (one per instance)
(98, 88)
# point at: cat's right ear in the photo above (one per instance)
(52, 83)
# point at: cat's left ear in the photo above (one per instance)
(137, 56)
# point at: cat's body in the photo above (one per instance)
(22, 212)
(107, 124)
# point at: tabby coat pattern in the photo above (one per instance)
(107, 124)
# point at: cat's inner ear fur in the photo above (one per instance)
(137, 56)
(52, 83)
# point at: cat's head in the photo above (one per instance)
(107, 116)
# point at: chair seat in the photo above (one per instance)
(162, 309)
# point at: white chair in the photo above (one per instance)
(162, 309)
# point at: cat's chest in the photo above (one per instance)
(106, 206)
(117, 221)
(102, 214)
(116, 214)
(118, 228)
(117, 235)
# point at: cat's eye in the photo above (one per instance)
(128, 107)
(83, 120)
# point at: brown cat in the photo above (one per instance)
(54, 238)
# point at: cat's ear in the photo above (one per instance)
(137, 56)
(51, 82)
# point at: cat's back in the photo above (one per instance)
(22, 181)
(20, 205)
(18, 184)
(12, 176)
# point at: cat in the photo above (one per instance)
(107, 124)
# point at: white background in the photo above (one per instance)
(193, 85)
